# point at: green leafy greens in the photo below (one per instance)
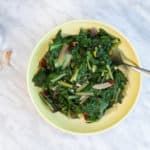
(77, 76)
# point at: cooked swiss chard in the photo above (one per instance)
(77, 76)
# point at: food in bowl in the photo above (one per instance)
(77, 76)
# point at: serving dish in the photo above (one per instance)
(113, 115)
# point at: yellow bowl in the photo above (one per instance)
(113, 115)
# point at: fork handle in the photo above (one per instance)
(139, 69)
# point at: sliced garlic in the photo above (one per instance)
(102, 86)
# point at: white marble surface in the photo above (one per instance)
(22, 23)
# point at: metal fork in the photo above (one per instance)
(117, 59)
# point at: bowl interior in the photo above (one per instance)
(113, 115)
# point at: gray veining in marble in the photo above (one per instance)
(22, 23)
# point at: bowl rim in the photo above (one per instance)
(53, 124)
